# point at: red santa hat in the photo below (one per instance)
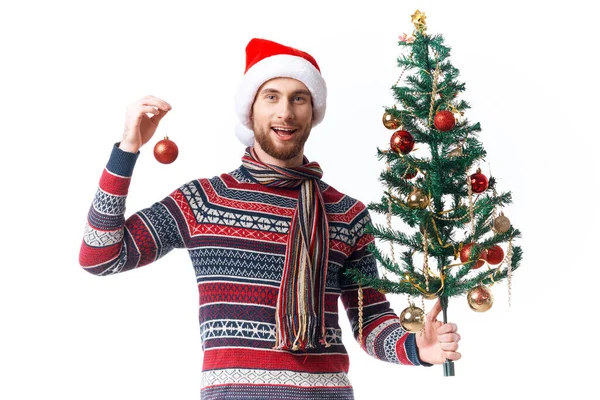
(266, 60)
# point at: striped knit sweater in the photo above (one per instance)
(235, 231)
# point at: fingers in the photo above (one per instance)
(449, 327)
(154, 102)
(452, 355)
(141, 121)
(434, 312)
(149, 110)
(148, 105)
(449, 338)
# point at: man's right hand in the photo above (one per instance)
(139, 127)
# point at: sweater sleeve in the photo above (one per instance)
(112, 244)
(383, 337)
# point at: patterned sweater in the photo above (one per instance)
(235, 231)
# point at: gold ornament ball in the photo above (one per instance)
(417, 199)
(480, 299)
(389, 121)
(412, 319)
(501, 224)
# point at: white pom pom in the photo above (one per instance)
(245, 135)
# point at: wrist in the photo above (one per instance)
(128, 147)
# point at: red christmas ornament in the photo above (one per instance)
(411, 173)
(465, 254)
(495, 255)
(166, 151)
(402, 142)
(479, 182)
(444, 121)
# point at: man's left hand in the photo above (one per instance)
(437, 341)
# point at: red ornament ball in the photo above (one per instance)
(479, 182)
(444, 120)
(402, 142)
(166, 151)
(465, 254)
(495, 255)
(411, 173)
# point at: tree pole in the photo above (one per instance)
(448, 364)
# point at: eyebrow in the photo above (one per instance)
(271, 90)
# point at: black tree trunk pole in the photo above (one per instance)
(448, 364)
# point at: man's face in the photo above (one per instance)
(282, 120)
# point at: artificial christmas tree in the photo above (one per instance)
(457, 241)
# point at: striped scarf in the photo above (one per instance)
(300, 312)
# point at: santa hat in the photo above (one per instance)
(266, 60)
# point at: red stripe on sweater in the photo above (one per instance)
(215, 198)
(401, 351)
(370, 296)
(114, 184)
(340, 246)
(349, 215)
(231, 183)
(363, 241)
(91, 256)
(214, 292)
(212, 229)
(228, 292)
(143, 239)
(220, 358)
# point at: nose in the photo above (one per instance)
(285, 111)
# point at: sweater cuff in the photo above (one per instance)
(412, 351)
(121, 162)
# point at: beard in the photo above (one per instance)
(283, 150)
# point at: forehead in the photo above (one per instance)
(284, 85)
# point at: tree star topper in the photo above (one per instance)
(418, 18)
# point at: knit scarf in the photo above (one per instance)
(300, 311)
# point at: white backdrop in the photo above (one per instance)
(68, 71)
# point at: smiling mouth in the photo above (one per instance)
(284, 132)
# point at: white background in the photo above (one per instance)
(68, 71)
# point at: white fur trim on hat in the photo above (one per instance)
(245, 135)
(279, 66)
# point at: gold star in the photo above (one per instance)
(418, 18)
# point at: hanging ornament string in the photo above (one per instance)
(436, 74)
(508, 260)
(389, 222)
(401, 74)
(426, 260)
(360, 314)
(446, 212)
(471, 213)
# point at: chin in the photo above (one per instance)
(279, 149)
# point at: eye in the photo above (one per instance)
(299, 99)
(270, 97)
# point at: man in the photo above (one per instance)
(269, 243)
